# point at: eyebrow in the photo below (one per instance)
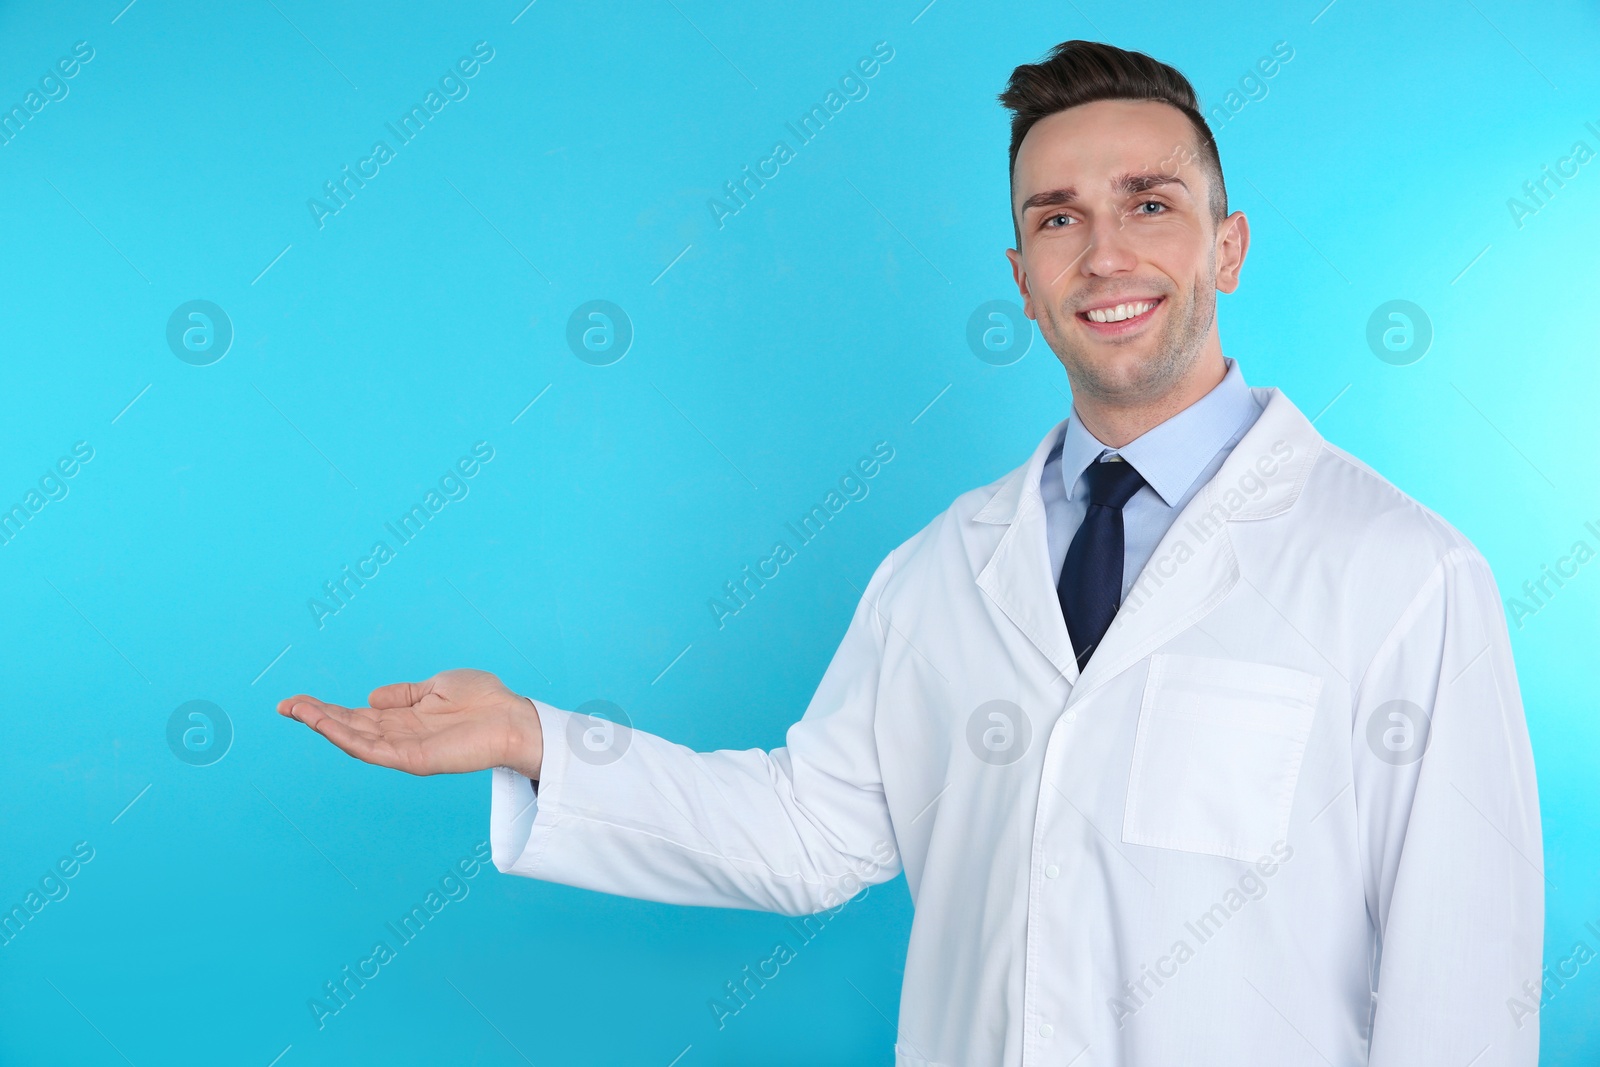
(1126, 184)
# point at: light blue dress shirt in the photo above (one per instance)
(1175, 458)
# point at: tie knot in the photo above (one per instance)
(1112, 483)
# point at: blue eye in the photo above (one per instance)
(1153, 203)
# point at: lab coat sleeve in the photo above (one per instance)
(1449, 823)
(795, 830)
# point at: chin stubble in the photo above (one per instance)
(1176, 349)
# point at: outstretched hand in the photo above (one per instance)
(455, 722)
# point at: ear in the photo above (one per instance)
(1020, 275)
(1233, 241)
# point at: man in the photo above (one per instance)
(1198, 742)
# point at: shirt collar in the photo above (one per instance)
(1172, 455)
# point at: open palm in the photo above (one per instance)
(455, 722)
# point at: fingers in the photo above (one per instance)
(368, 748)
(314, 712)
(399, 695)
(357, 734)
(358, 731)
(302, 708)
(288, 705)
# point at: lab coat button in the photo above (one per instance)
(1072, 716)
(1051, 871)
(1046, 1030)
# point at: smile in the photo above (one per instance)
(1121, 312)
(1120, 319)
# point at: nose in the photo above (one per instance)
(1109, 250)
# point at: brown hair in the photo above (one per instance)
(1082, 72)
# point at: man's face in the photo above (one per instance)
(1111, 202)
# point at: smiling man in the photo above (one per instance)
(1197, 741)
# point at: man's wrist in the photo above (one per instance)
(526, 743)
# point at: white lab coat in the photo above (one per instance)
(1202, 851)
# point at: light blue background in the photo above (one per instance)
(770, 356)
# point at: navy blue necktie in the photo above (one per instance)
(1091, 579)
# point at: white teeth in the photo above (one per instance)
(1120, 312)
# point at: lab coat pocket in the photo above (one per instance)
(1217, 755)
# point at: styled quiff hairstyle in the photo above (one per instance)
(1082, 72)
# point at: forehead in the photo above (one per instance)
(1088, 145)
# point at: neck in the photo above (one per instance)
(1116, 422)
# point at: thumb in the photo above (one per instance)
(399, 694)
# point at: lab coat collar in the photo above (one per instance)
(1189, 573)
(1279, 419)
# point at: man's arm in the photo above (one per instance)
(794, 830)
(1449, 819)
